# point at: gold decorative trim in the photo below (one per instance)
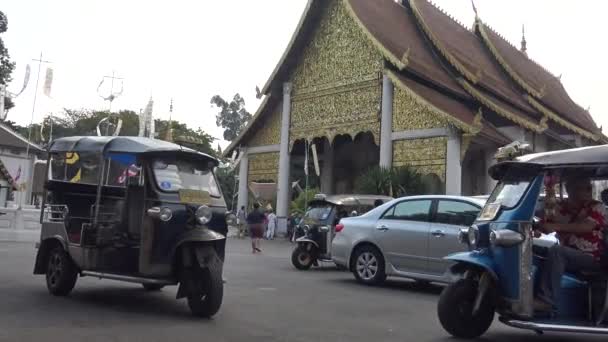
(473, 129)
(444, 52)
(498, 109)
(400, 63)
(551, 115)
(336, 88)
(504, 64)
(350, 129)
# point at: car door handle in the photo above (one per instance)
(438, 233)
(382, 228)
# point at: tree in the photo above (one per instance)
(233, 116)
(226, 180)
(84, 122)
(6, 66)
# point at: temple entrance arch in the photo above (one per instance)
(341, 161)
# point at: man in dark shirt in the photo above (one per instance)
(255, 220)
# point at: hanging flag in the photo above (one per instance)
(2, 96)
(315, 159)
(306, 158)
(131, 171)
(18, 175)
(26, 79)
(48, 82)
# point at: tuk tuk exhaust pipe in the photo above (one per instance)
(129, 279)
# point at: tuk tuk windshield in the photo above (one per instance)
(174, 174)
(508, 193)
(318, 212)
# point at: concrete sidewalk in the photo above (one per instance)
(19, 235)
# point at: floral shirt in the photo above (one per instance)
(591, 243)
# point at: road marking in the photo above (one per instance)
(267, 288)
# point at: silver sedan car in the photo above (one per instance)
(406, 237)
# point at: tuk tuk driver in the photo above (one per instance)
(579, 223)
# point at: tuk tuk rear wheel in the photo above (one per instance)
(302, 259)
(61, 273)
(207, 301)
(455, 310)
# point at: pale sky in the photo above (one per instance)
(192, 50)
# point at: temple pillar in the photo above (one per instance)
(283, 185)
(453, 181)
(243, 198)
(386, 123)
(327, 171)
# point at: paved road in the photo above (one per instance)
(265, 300)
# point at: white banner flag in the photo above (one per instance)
(26, 79)
(48, 82)
(306, 158)
(2, 95)
(315, 159)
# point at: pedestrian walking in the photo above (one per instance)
(255, 220)
(241, 222)
(272, 225)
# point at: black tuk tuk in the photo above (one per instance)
(137, 210)
(317, 229)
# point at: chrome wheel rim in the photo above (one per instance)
(55, 269)
(367, 266)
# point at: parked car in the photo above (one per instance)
(407, 237)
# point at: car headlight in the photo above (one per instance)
(203, 214)
(473, 236)
(230, 219)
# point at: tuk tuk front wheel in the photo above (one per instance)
(455, 310)
(206, 298)
(61, 273)
(302, 259)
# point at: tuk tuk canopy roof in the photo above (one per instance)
(106, 144)
(583, 157)
(351, 200)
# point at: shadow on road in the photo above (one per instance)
(122, 300)
(397, 284)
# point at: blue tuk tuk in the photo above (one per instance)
(500, 272)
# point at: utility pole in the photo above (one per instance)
(111, 96)
(29, 131)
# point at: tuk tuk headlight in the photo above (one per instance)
(506, 238)
(230, 219)
(203, 214)
(473, 236)
(165, 214)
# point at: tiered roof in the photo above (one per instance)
(460, 72)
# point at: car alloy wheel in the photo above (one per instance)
(367, 266)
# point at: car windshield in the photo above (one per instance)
(173, 175)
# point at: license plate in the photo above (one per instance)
(194, 196)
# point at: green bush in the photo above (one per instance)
(299, 204)
(396, 182)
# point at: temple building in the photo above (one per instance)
(392, 83)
